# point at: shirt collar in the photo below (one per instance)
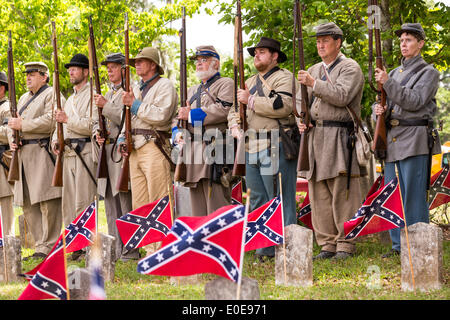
(410, 62)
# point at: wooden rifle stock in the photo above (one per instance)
(238, 62)
(102, 167)
(303, 157)
(379, 146)
(180, 169)
(13, 174)
(122, 183)
(57, 179)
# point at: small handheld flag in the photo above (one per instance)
(381, 211)
(147, 224)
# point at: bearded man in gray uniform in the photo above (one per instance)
(208, 105)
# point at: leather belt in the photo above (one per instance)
(77, 140)
(332, 123)
(35, 141)
(408, 123)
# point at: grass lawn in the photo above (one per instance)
(350, 279)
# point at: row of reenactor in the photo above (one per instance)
(334, 85)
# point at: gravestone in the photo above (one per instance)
(185, 280)
(426, 254)
(26, 237)
(225, 289)
(13, 260)
(182, 201)
(299, 250)
(108, 256)
(79, 280)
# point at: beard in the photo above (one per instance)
(206, 75)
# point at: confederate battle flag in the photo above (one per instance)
(265, 226)
(78, 235)
(147, 224)
(236, 193)
(209, 244)
(49, 282)
(381, 211)
(440, 188)
(305, 213)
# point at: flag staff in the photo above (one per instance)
(241, 266)
(282, 224)
(170, 203)
(2, 236)
(406, 230)
(65, 259)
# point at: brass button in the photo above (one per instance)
(394, 139)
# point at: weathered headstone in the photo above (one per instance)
(108, 256)
(26, 237)
(79, 280)
(299, 250)
(384, 237)
(224, 289)
(185, 280)
(182, 201)
(426, 254)
(13, 260)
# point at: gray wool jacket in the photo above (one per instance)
(412, 101)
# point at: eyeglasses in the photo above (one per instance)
(201, 60)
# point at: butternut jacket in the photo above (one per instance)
(265, 116)
(214, 105)
(156, 110)
(35, 164)
(328, 152)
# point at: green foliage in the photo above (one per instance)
(30, 23)
(275, 19)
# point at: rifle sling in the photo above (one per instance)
(41, 89)
(201, 88)
(80, 146)
(325, 77)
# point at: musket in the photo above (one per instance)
(102, 167)
(13, 174)
(305, 118)
(57, 179)
(122, 183)
(238, 64)
(180, 169)
(379, 145)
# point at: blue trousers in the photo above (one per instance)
(262, 179)
(412, 173)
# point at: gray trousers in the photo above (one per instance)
(115, 207)
(203, 202)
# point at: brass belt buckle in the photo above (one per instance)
(319, 123)
(394, 122)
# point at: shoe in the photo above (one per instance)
(36, 255)
(77, 255)
(342, 255)
(391, 253)
(324, 255)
